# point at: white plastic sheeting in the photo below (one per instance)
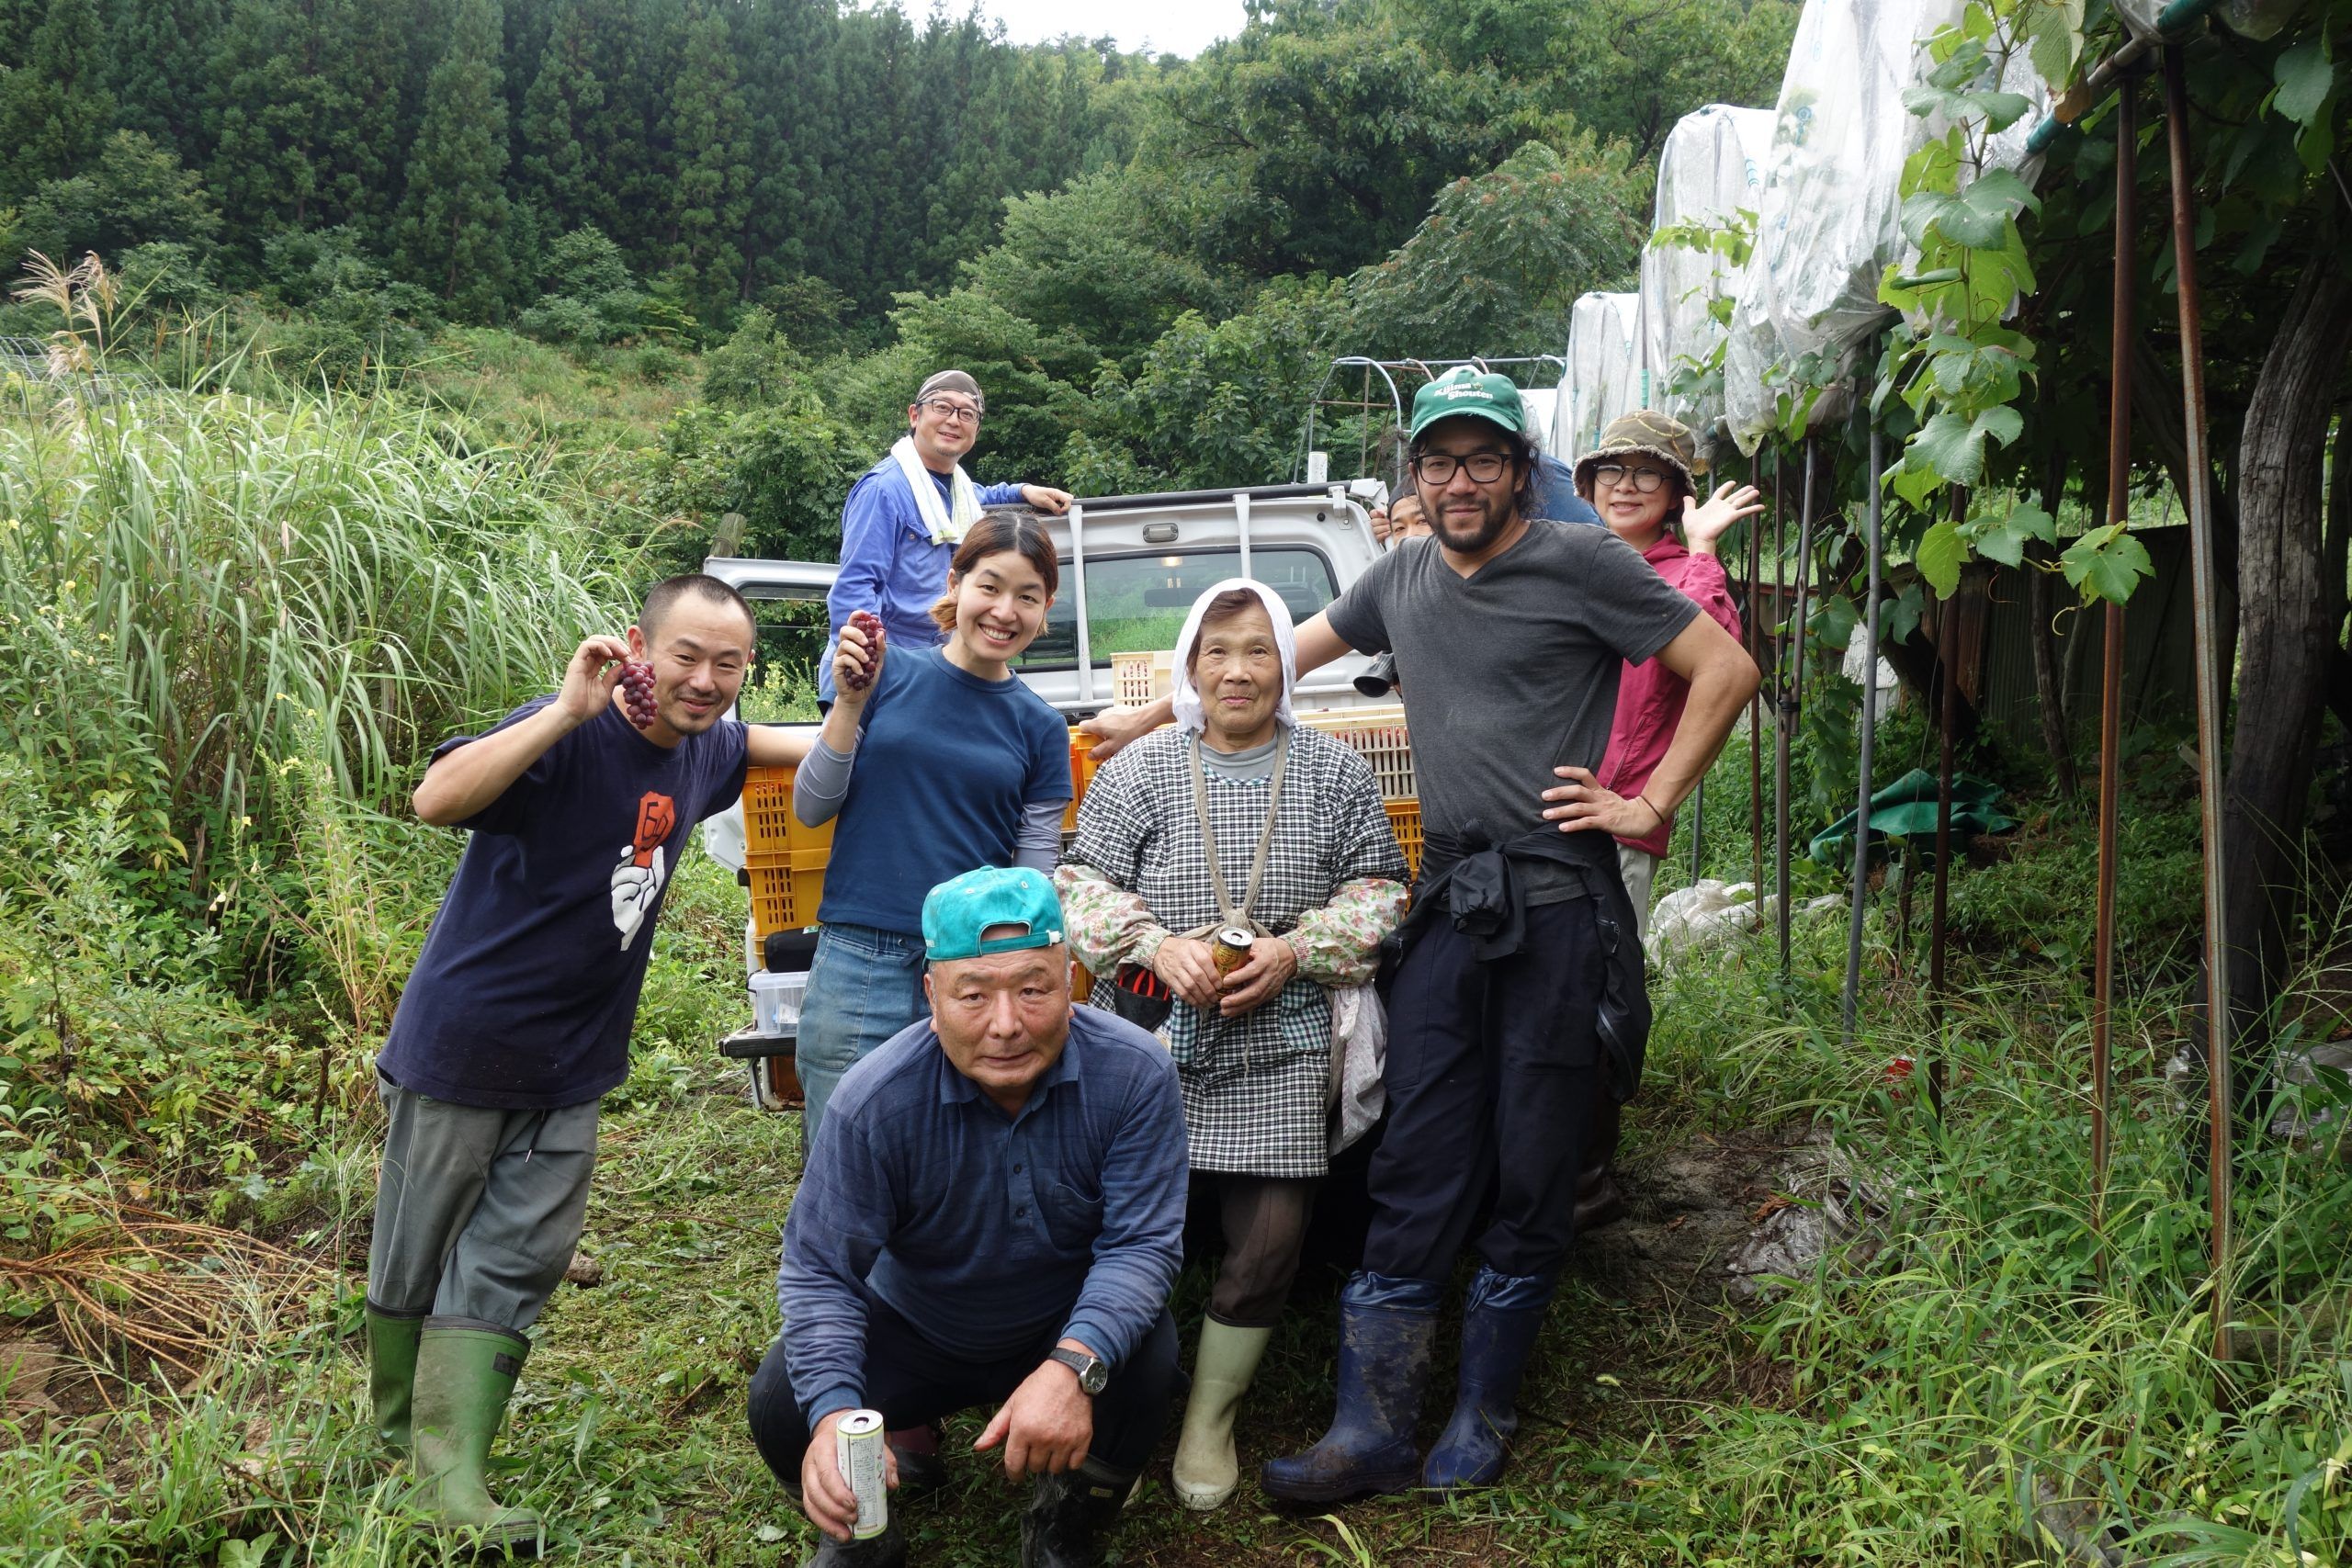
(1712, 165)
(1604, 372)
(1830, 221)
(2257, 19)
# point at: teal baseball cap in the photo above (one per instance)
(955, 912)
(1466, 391)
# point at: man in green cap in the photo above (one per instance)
(992, 1214)
(1515, 999)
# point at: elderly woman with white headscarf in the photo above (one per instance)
(1237, 817)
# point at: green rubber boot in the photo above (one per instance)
(465, 1374)
(391, 1374)
(1207, 1470)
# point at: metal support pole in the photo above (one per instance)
(1947, 685)
(2220, 1101)
(1871, 514)
(2110, 702)
(1753, 631)
(1792, 661)
(1698, 820)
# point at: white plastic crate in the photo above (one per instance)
(1140, 678)
(1379, 737)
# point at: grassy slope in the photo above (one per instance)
(1891, 1409)
(1888, 1411)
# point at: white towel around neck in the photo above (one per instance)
(1187, 696)
(947, 522)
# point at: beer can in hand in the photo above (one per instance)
(860, 1449)
(1229, 949)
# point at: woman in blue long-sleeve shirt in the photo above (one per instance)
(906, 514)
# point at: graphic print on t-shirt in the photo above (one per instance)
(636, 881)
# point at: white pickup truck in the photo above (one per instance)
(1131, 567)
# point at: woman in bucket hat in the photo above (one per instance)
(1641, 479)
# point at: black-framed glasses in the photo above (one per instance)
(1439, 467)
(1646, 481)
(952, 413)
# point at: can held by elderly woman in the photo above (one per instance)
(1229, 949)
(858, 1448)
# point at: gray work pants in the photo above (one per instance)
(477, 1209)
(1639, 868)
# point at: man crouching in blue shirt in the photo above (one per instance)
(993, 1210)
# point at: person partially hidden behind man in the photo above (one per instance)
(993, 1212)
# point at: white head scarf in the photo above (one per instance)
(1187, 697)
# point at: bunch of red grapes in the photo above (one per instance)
(637, 692)
(867, 622)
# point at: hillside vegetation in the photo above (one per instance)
(424, 335)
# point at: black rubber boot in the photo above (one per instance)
(922, 1472)
(1069, 1514)
(1599, 1200)
(1499, 1324)
(887, 1550)
(1386, 1327)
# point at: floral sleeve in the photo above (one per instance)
(1338, 944)
(1108, 926)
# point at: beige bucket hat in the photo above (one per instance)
(1644, 433)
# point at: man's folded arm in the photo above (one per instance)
(1142, 1242)
(839, 1224)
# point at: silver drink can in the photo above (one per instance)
(858, 1448)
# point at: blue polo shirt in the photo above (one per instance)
(947, 766)
(986, 1232)
(888, 564)
(1556, 493)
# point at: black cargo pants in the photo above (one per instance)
(1494, 1072)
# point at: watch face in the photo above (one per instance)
(1093, 1377)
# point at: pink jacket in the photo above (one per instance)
(1650, 696)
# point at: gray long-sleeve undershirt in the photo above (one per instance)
(822, 783)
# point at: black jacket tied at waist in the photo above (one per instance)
(1479, 890)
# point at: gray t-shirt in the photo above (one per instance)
(1511, 671)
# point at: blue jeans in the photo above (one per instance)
(864, 986)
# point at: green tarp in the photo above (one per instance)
(1906, 809)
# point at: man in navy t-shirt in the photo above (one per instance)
(515, 1021)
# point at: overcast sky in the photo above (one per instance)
(1169, 27)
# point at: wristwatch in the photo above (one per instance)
(1092, 1375)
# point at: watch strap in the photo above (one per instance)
(1083, 1365)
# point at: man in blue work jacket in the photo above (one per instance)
(906, 514)
(992, 1214)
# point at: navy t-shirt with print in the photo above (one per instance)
(946, 765)
(526, 990)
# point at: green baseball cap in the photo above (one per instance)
(1466, 391)
(955, 912)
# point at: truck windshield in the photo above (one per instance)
(1138, 604)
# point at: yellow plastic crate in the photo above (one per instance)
(1405, 821)
(769, 827)
(1082, 773)
(784, 898)
(785, 859)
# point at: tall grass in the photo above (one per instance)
(197, 589)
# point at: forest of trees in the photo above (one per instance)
(797, 155)
(1146, 261)
(727, 148)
